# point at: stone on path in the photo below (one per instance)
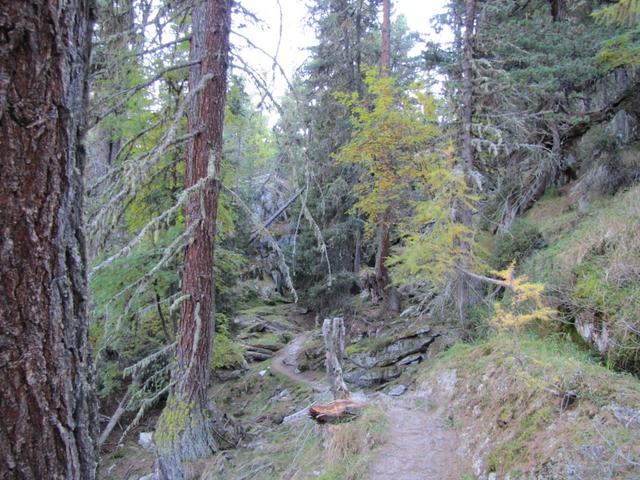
(397, 390)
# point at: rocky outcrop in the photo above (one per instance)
(385, 360)
(396, 350)
(606, 92)
(363, 377)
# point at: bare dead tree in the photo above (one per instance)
(333, 332)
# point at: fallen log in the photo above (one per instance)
(257, 356)
(256, 349)
(342, 409)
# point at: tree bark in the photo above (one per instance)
(462, 288)
(47, 403)
(558, 10)
(190, 425)
(383, 289)
(467, 83)
(333, 332)
(385, 58)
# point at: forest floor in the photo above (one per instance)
(285, 361)
(420, 444)
(480, 411)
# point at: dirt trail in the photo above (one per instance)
(284, 361)
(420, 445)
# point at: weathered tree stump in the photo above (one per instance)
(333, 332)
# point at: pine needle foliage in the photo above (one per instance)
(624, 12)
(434, 239)
(526, 303)
(392, 126)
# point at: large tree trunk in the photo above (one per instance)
(558, 10)
(47, 404)
(385, 58)
(463, 288)
(190, 425)
(383, 289)
(467, 83)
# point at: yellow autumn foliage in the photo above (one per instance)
(526, 303)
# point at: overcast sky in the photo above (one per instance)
(296, 35)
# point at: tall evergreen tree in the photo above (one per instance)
(190, 426)
(313, 129)
(47, 426)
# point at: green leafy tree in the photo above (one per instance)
(314, 126)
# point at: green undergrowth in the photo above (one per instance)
(542, 401)
(305, 450)
(541, 358)
(591, 267)
(261, 396)
(226, 353)
(269, 340)
(350, 446)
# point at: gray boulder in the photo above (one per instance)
(395, 350)
(364, 377)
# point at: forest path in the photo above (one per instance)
(420, 444)
(285, 362)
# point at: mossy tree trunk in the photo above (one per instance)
(47, 403)
(190, 425)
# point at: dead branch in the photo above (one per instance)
(277, 214)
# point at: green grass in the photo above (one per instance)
(519, 370)
(506, 454)
(305, 450)
(351, 445)
(590, 266)
(537, 361)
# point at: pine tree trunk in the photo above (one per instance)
(190, 425)
(47, 403)
(385, 58)
(467, 83)
(383, 289)
(462, 285)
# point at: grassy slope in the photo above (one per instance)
(507, 402)
(591, 266)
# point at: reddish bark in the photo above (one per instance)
(383, 289)
(210, 44)
(335, 411)
(47, 405)
(205, 428)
